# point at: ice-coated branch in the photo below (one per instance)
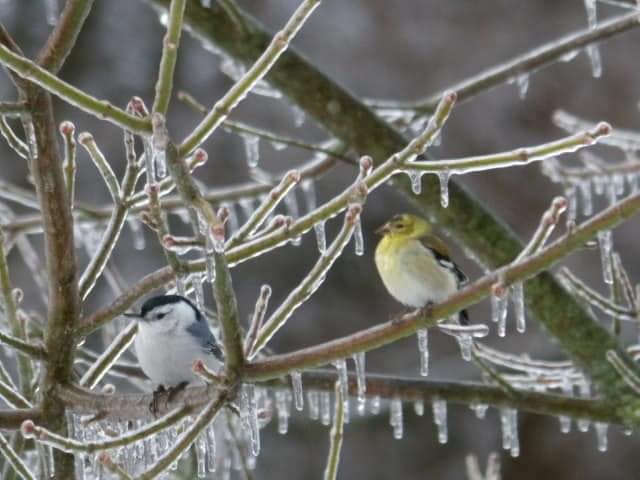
(336, 437)
(106, 172)
(257, 319)
(607, 306)
(170, 43)
(260, 214)
(408, 324)
(101, 366)
(67, 130)
(13, 109)
(254, 74)
(546, 226)
(628, 375)
(14, 460)
(310, 283)
(12, 397)
(30, 429)
(112, 466)
(520, 156)
(12, 139)
(102, 109)
(532, 60)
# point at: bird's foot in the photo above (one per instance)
(173, 391)
(155, 402)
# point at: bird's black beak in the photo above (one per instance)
(383, 229)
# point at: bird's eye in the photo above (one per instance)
(160, 316)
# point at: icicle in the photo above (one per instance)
(314, 405)
(201, 456)
(506, 427)
(601, 434)
(358, 238)
(321, 238)
(415, 176)
(584, 390)
(309, 191)
(632, 180)
(499, 309)
(343, 381)
(137, 233)
(52, 9)
(298, 115)
(618, 184)
(395, 418)
(298, 394)
(32, 141)
(291, 202)
(361, 381)
(515, 438)
(440, 419)
(517, 298)
(465, 342)
(423, 348)
(587, 200)
(283, 409)
(606, 245)
(205, 3)
(480, 409)
(522, 81)
(376, 404)
(592, 50)
(210, 260)
(252, 149)
(325, 408)
(278, 146)
(418, 407)
(572, 211)
(196, 281)
(444, 188)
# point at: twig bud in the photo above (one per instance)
(28, 429)
(67, 128)
(85, 137)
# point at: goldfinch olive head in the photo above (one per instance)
(405, 225)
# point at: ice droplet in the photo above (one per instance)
(298, 394)
(201, 456)
(444, 188)
(415, 176)
(480, 409)
(517, 298)
(440, 419)
(321, 237)
(522, 81)
(358, 238)
(423, 348)
(499, 312)
(395, 418)
(252, 149)
(606, 245)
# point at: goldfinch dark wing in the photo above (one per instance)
(441, 254)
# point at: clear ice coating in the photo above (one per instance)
(592, 49)
(395, 418)
(343, 382)
(601, 435)
(160, 159)
(325, 408)
(517, 298)
(522, 81)
(444, 188)
(423, 348)
(313, 401)
(465, 342)
(606, 245)
(321, 236)
(252, 149)
(587, 197)
(499, 306)
(415, 176)
(358, 238)
(361, 381)
(252, 417)
(196, 281)
(440, 419)
(298, 394)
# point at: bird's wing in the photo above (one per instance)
(200, 330)
(441, 254)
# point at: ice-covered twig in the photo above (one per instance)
(104, 458)
(106, 172)
(12, 397)
(628, 375)
(520, 156)
(310, 283)
(164, 85)
(101, 366)
(258, 70)
(14, 460)
(257, 319)
(546, 226)
(336, 436)
(13, 109)
(67, 130)
(259, 215)
(12, 139)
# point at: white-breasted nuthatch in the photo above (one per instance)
(172, 335)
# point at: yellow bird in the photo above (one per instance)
(415, 265)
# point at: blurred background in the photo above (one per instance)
(377, 49)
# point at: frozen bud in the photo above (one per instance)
(523, 155)
(85, 137)
(104, 458)
(293, 176)
(138, 105)
(353, 213)
(498, 289)
(200, 157)
(152, 189)
(278, 221)
(450, 97)
(223, 214)
(28, 429)
(366, 164)
(288, 222)
(218, 232)
(18, 295)
(109, 389)
(603, 128)
(169, 241)
(67, 128)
